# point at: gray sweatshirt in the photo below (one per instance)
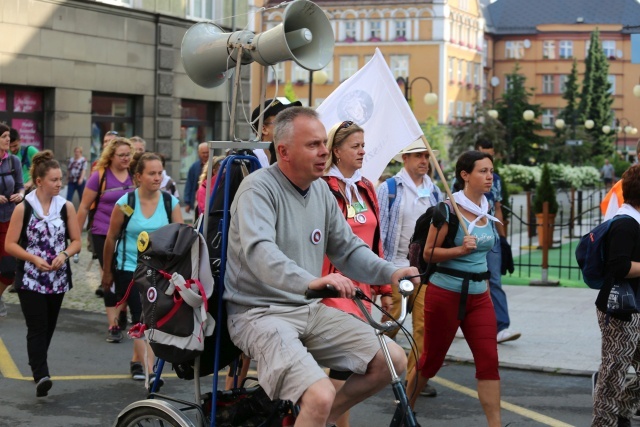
(278, 239)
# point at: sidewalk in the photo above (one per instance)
(559, 329)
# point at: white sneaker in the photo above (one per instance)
(507, 335)
(459, 333)
(3, 308)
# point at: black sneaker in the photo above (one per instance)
(429, 391)
(43, 386)
(152, 380)
(114, 335)
(99, 292)
(122, 320)
(137, 371)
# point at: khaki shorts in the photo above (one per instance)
(289, 342)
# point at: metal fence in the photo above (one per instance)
(579, 212)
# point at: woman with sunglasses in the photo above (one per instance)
(357, 199)
(110, 181)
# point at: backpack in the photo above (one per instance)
(175, 283)
(24, 156)
(419, 239)
(391, 184)
(131, 202)
(590, 254)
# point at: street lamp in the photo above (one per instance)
(528, 115)
(430, 98)
(589, 124)
(623, 125)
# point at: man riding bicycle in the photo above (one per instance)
(283, 221)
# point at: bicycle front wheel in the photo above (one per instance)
(152, 413)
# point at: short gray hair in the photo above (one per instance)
(283, 124)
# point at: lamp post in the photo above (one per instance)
(624, 126)
(430, 98)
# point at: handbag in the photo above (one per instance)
(622, 299)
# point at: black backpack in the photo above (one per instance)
(419, 239)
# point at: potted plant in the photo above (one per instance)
(545, 192)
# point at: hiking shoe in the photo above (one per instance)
(3, 308)
(99, 292)
(137, 371)
(429, 391)
(43, 386)
(459, 333)
(507, 335)
(152, 380)
(122, 320)
(114, 335)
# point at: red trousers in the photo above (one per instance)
(440, 326)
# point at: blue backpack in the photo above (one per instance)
(590, 254)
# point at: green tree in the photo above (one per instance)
(466, 131)
(435, 134)
(521, 137)
(289, 92)
(596, 100)
(573, 129)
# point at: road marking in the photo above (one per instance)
(8, 368)
(527, 413)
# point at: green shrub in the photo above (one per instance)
(545, 192)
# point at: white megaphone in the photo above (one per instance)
(304, 36)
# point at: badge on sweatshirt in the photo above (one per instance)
(143, 241)
(126, 209)
(316, 236)
(361, 218)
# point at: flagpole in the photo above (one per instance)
(436, 165)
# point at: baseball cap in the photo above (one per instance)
(271, 108)
(415, 147)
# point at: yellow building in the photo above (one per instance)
(434, 45)
(546, 35)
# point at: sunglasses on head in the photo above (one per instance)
(345, 124)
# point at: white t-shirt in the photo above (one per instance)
(412, 208)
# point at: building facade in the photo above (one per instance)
(70, 70)
(434, 46)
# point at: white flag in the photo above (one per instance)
(372, 99)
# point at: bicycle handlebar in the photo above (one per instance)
(405, 287)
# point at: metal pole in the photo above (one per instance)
(310, 88)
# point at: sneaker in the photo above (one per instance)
(152, 380)
(3, 308)
(99, 292)
(429, 391)
(114, 335)
(594, 380)
(122, 320)
(459, 333)
(43, 386)
(137, 371)
(507, 335)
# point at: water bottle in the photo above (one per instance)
(76, 258)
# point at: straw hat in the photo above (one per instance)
(415, 147)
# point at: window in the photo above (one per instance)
(201, 121)
(451, 67)
(468, 109)
(549, 49)
(460, 66)
(451, 110)
(467, 79)
(563, 82)
(459, 109)
(350, 30)
(463, 4)
(400, 30)
(514, 50)
(348, 66)
(276, 72)
(612, 81)
(548, 119)
(110, 112)
(566, 49)
(201, 9)
(22, 109)
(507, 83)
(476, 74)
(375, 31)
(399, 65)
(609, 48)
(454, 32)
(299, 74)
(329, 70)
(548, 83)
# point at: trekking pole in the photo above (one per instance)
(436, 166)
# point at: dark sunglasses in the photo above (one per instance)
(112, 132)
(344, 125)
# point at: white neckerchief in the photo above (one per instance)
(53, 220)
(408, 182)
(626, 209)
(350, 183)
(481, 211)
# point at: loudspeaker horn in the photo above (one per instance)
(304, 36)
